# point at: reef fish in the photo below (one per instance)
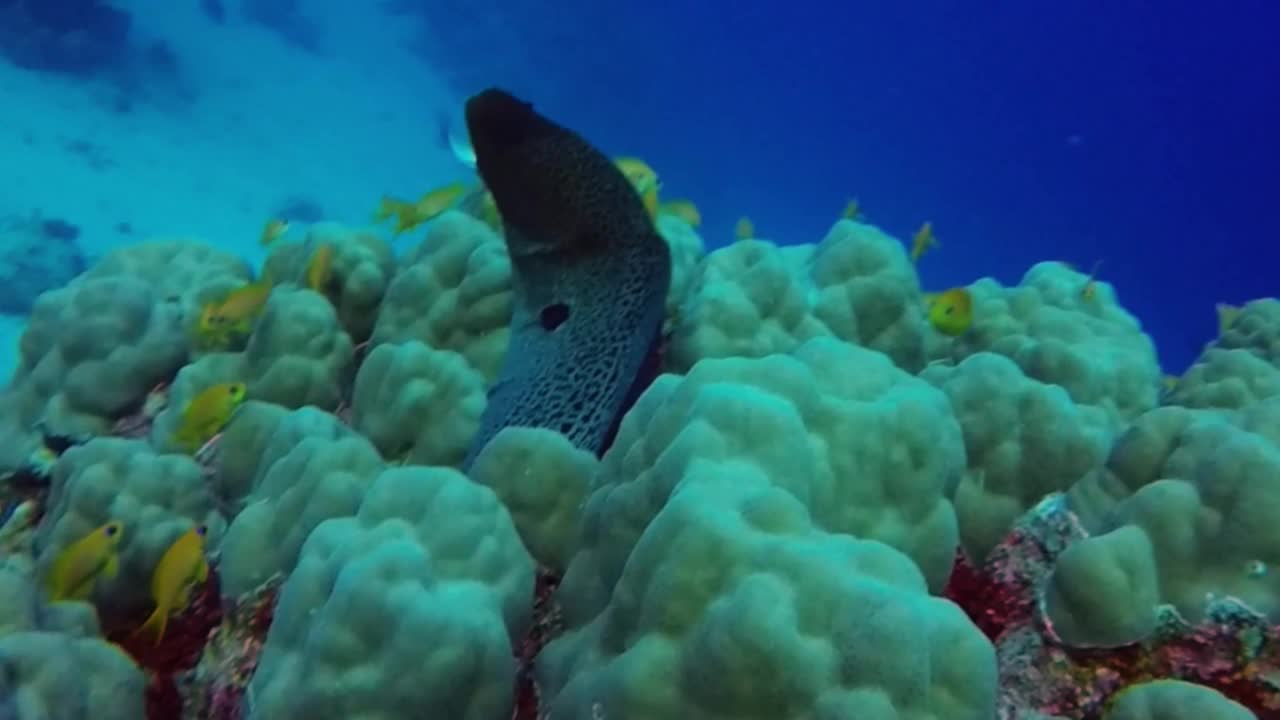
(922, 241)
(182, 567)
(207, 413)
(77, 568)
(951, 312)
(273, 230)
(590, 276)
(319, 268)
(683, 209)
(235, 314)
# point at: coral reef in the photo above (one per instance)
(825, 508)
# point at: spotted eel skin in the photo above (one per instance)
(589, 277)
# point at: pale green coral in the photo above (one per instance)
(51, 676)
(360, 270)
(718, 574)
(1174, 700)
(313, 481)
(542, 479)
(412, 604)
(1089, 345)
(1023, 440)
(452, 292)
(753, 298)
(418, 405)
(258, 434)
(733, 604)
(1182, 513)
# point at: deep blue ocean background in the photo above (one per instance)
(1139, 134)
(1142, 134)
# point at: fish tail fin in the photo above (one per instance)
(154, 625)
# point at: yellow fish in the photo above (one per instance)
(951, 312)
(644, 179)
(744, 229)
(1091, 284)
(683, 209)
(852, 211)
(1227, 316)
(181, 568)
(434, 203)
(489, 212)
(319, 268)
(77, 568)
(1169, 383)
(274, 228)
(207, 413)
(240, 307)
(923, 240)
(390, 206)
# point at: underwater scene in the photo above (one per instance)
(407, 359)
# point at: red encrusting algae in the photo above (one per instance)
(1233, 650)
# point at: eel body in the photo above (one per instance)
(590, 275)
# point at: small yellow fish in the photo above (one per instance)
(434, 203)
(207, 413)
(644, 179)
(388, 207)
(744, 229)
(181, 568)
(273, 230)
(77, 568)
(222, 320)
(852, 211)
(489, 212)
(1227, 316)
(923, 240)
(683, 209)
(1091, 284)
(1169, 383)
(319, 268)
(951, 312)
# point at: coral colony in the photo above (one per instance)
(445, 483)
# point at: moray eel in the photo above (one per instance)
(590, 275)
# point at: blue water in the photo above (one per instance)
(1139, 134)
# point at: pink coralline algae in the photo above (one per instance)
(547, 623)
(215, 689)
(1233, 650)
(183, 643)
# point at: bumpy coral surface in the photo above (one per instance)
(56, 676)
(1175, 700)
(1023, 440)
(1182, 513)
(1089, 345)
(418, 405)
(452, 292)
(412, 605)
(753, 298)
(826, 509)
(359, 271)
(715, 531)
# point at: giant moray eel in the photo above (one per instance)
(589, 277)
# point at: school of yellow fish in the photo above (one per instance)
(76, 570)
